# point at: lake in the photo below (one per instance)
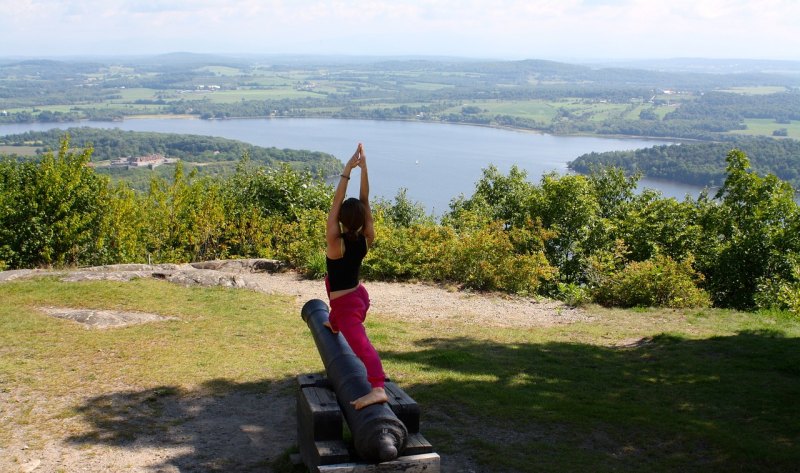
(434, 162)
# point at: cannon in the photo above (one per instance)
(381, 433)
(378, 435)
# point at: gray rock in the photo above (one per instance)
(255, 265)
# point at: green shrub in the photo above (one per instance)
(573, 294)
(483, 257)
(487, 259)
(314, 266)
(52, 212)
(657, 282)
(405, 253)
(780, 293)
(297, 241)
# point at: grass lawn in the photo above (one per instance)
(646, 390)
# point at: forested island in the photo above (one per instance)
(701, 164)
(685, 100)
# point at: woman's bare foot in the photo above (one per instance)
(376, 396)
(328, 324)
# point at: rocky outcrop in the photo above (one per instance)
(243, 265)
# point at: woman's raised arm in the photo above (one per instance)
(332, 230)
(363, 196)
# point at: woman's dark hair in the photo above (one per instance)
(352, 216)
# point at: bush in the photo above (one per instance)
(405, 253)
(52, 212)
(780, 293)
(487, 259)
(573, 294)
(297, 242)
(657, 282)
(315, 266)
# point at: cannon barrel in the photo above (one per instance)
(378, 434)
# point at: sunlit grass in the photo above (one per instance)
(214, 327)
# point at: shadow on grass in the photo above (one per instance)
(223, 426)
(662, 404)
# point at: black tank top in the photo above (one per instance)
(343, 272)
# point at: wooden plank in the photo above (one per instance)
(320, 428)
(313, 380)
(425, 463)
(416, 444)
(403, 406)
(322, 413)
(331, 452)
(323, 400)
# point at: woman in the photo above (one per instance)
(349, 232)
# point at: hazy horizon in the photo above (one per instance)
(567, 30)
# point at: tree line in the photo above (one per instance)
(701, 164)
(576, 237)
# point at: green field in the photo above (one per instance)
(763, 90)
(18, 150)
(224, 71)
(533, 110)
(133, 94)
(625, 391)
(233, 96)
(765, 127)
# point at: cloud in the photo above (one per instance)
(497, 28)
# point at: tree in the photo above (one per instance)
(497, 197)
(751, 236)
(53, 212)
(567, 206)
(403, 212)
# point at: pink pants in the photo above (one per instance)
(347, 316)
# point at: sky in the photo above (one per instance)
(496, 29)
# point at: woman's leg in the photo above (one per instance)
(348, 314)
(356, 336)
